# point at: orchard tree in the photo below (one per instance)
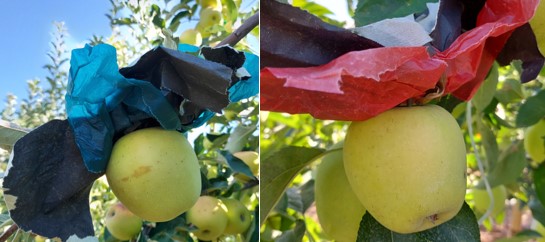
(417, 128)
(217, 145)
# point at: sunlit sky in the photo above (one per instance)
(26, 29)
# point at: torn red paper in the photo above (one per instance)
(362, 84)
(355, 86)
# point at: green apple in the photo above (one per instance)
(209, 17)
(209, 3)
(407, 167)
(205, 31)
(339, 210)
(209, 214)
(191, 36)
(122, 223)
(250, 158)
(482, 200)
(239, 217)
(154, 173)
(538, 26)
(534, 141)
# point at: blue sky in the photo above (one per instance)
(26, 29)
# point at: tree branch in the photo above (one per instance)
(9, 232)
(242, 31)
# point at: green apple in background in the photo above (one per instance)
(538, 26)
(191, 36)
(250, 158)
(209, 214)
(204, 30)
(407, 166)
(209, 3)
(482, 200)
(209, 17)
(154, 173)
(239, 217)
(534, 141)
(338, 208)
(121, 222)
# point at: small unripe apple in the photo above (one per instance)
(205, 31)
(482, 200)
(122, 223)
(407, 166)
(534, 141)
(209, 214)
(191, 36)
(155, 173)
(239, 217)
(209, 17)
(251, 159)
(209, 3)
(339, 210)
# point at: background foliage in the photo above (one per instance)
(138, 26)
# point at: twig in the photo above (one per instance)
(9, 232)
(242, 31)
(479, 163)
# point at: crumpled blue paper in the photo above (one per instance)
(103, 104)
(242, 89)
(100, 101)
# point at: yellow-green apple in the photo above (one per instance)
(538, 26)
(209, 214)
(209, 3)
(338, 208)
(121, 222)
(209, 17)
(482, 200)
(534, 141)
(238, 216)
(191, 36)
(407, 166)
(154, 173)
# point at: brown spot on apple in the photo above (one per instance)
(140, 171)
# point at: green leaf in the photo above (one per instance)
(538, 211)
(239, 137)
(509, 167)
(532, 110)
(463, 227)
(523, 236)
(485, 93)
(169, 41)
(510, 92)
(296, 234)
(539, 182)
(232, 11)
(280, 168)
(237, 165)
(370, 11)
(10, 133)
(175, 22)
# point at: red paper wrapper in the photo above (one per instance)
(362, 84)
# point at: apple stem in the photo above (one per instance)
(469, 119)
(242, 31)
(12, 229)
